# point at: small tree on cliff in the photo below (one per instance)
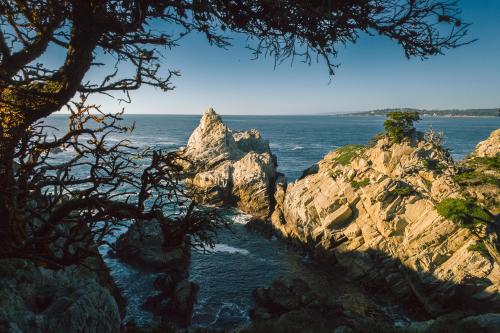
(399, 125)
(132, 33)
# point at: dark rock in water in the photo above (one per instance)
(261, 227)
(175, 302)
(293, 307)
(143, 246)
(166, 282)
(281, 298)
(36, 299)
(184, 298)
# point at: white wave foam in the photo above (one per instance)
(274, 145)
(233, 309)
(297, 147)
(229, 249)
(241, 218)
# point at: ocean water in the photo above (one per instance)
(242, 261)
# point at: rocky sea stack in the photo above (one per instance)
(228, 167)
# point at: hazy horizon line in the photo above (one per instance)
(328, 113)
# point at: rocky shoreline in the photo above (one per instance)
(369, 210)
(372, 210)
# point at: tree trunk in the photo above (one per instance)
(11, 230)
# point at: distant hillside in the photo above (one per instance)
(434, 113)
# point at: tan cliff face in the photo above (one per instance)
(480, 173)
(489, 147)
(373, 211)
(230, 167)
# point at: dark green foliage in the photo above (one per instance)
(403, 190)
(465, 213)
(356, 185)
(399, 125)
(486, 162)
(479, 247)
(434, 165)
(347, 153)
(480, 171)
(427, 183)
(476, 178)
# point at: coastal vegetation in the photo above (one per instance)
(472, 177)
(344, 155)
(434, 165)
(403, 190)
(465, 212)
(399, 125)
(359, 184)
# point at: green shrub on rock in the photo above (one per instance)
(403, 190)
(434, 165)
(347, 153)
(399, 125)
(362, 183)
(466, 213)
(472, 177)
(478, 247)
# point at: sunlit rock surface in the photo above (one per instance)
(489, 147)
(372, 209)
(230, 167)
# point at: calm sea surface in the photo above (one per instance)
(243, 261)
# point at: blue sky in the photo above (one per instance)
(373, 74)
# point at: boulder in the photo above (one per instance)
(143, 246)
(36, 299)
(294, 307)
(227, 167)
(175, 301)
(489, 147)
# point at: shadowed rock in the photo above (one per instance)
(36, 299)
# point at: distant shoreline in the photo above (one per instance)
(470, 113)
(450, 113)
(423, 116)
